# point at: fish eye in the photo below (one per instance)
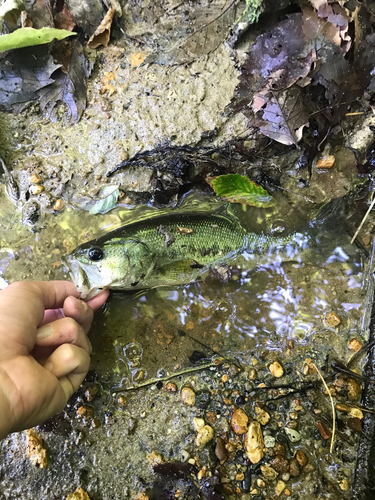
(95, 253)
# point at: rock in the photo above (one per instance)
(35, 179)
(204, 436)
(301, 458)
(92, 392)
(79, 494)
(142, 496)
(276, 369)
(36, 449)
(269, 441)
(188, 396)
(252, 374)
(355, 345)
(239, 421)
(280, 487)
(198, 423)
(332, 319)
(344, 485)
(293, 435)
(170, 387)
(280, 464)
(122, 400)
(220, 450)
(355, 413)
(36, 189)
(268, 472)
(254, 442)
(326, 162)
(261, 416)
(354, 389)
(58, 205)
(294, 469)
(323, 430)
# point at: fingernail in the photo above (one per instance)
(44, 331)
(82, 306)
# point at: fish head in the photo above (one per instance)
(117, 263)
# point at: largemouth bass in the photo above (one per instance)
(171, 249)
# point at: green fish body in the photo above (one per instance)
(171, 249)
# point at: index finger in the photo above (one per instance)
(52, 293)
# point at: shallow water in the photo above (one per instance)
(275, 308)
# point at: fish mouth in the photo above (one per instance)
(79, 277)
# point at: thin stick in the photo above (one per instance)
(363, 220)
(332, 404)
(355, 114)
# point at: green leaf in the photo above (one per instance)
(27, 37)
(238, 188)
(107, 200)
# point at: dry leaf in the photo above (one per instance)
(103, 31)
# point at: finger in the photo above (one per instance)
(96, 302)
(70, 365)
(62, 331)
(52, 315)
(79, 311)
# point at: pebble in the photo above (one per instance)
(356, 413)
(92, 392)
(79, 494)
(261, 416)
(198, 423)
(294, 468)
(280, 487)
(35, 179)
(323, 430)
(36, 189)
(188, 396)
(344, 485)
(239, 421)
(220, 450)
(254, 442)
(185, 455)
(286, 476)
(59, 205)
(252, 374)
(332, 319)
(280, 464)
(354, 345)
(204, 436)
(354, 389)
(301, 458)
(268, 472)
(326, 162)
(293, 435)
(276, 369)
(37, 452)
(261, 483)
(240, 476)
(122, 400)
(171, 387)
(269, 441)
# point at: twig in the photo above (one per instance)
(332, 404)
(164, 379)
(363, 220)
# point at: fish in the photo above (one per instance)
(164, 250)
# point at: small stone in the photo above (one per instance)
(285, 477)
(252, 374)
(254, 442)
(239, 421)
(58, 205)
(142, 496)
(294, 468)
(287, 492)
(332, 319)
(261, 483)
(268, 472)
(354, 389)
(323, 430)
(356, 413)
(137, 58)
(280, 487)
(85, 411)
(261, 416)
(92, 392)
(36, 189)
(240, 476)
(170, 387)
(198, 423)
(204, 436)
(325, 162)
(301, 458)
(188, 396)
(293, 435)
(201, 473)
(220, 450)
(96, 423)
(37, 452)
(269, 441)
(276, 369)
(154, 458)
(79, 494)
(35, 179)
(122, 400)
(355, 345)
(344, 485)
(280, 464)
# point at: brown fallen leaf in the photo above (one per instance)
(102, 32)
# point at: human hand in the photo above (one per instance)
(44, 350)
